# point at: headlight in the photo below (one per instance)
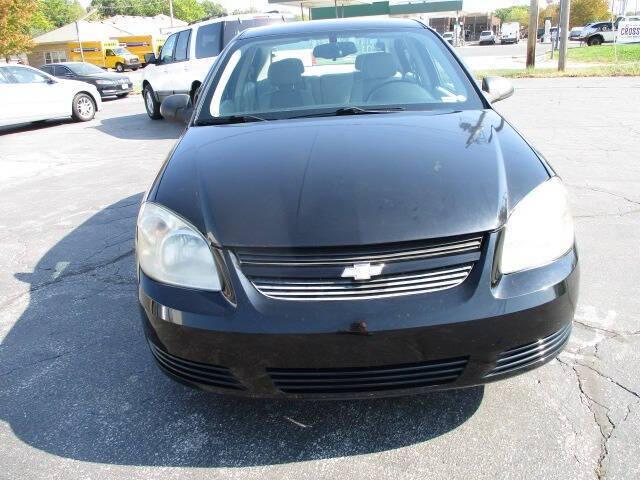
(105, 82)
(539, 229)
(174, 252)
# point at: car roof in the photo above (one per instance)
(65, 63)
(320, 26)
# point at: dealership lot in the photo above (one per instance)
(81, 398)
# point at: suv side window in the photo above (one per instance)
(209, 40)
(166, 55)
(48, 69)
(182, 46)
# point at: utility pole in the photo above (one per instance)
(79, 41)
(563, 33)
(533, 34)
(89, 13)
(171, 11)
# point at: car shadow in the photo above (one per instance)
(139, 127)
(77, 379)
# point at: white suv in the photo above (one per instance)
(188, 54)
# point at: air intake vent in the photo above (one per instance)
(310, 257)
(213, 375)
(343, 289)
(531, 353)
(367, 379)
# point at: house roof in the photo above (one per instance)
(89, 31)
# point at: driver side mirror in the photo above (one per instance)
(497, 88)
(177, 108)
(150, 58)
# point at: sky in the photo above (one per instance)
(468, 5)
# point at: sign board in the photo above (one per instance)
(628, 32)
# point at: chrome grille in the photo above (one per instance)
(343, 289)
(367, 379)
(384, 254)
(527, 355)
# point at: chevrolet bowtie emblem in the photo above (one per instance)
(363, 271)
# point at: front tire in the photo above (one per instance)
(119, 67)
(151, 105)
(594, 41)
(83, 108)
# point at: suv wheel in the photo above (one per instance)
(83, 108)
(594, 41)
(151, 104)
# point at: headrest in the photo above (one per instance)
(286, 72)
(377, 65)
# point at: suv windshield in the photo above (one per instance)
(275, 77)
(84, 68)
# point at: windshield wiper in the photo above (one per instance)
(352, 111)
(230, 119)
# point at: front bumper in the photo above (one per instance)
(114, 90)
(481, 331)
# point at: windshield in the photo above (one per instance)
(121, 51)
(84, 68)
(287, 76)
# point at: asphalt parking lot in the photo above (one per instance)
(81, 398)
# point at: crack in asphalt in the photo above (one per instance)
(606, 430)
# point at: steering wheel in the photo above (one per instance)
(415, 91)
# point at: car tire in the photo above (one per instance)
(151, 105)
(83, 108)
(119, 67)
(594, 41)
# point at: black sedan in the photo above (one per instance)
(108, 84)
(347, 216)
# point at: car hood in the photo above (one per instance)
(103, 76)
(349, 180)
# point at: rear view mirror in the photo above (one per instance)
(334, 50)
(150, 58)
(177, 108)
(498, 88)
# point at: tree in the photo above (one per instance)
(60, 12)
(15, 18)
(587, 11)
(518, 14)
(550, 11)
(213, 9)
(189, 10)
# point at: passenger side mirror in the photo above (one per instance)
(177, 108)
(150, 58)
(498, 88)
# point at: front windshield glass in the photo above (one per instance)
(121, 51)
(288, 76)
(84, 68)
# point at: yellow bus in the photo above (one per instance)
(105, 54)
(142, 44)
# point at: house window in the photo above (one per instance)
(55, 57)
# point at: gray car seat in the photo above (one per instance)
(373, 70)
(288, 89)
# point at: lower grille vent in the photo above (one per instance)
(367, 379)
(213, 375)
(526, 355)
